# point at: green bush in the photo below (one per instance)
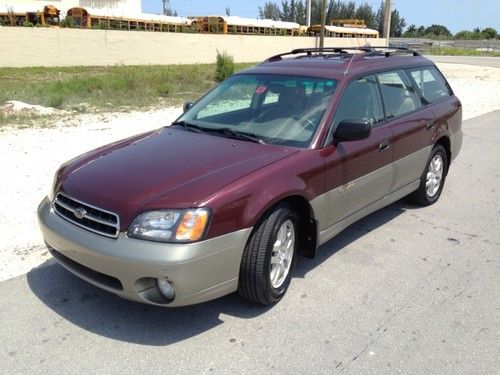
(103, 26)
(224, 66)
(28, 24)
(68, 21)
(55, 100)
(164, 90)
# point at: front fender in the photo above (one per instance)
(242, 203)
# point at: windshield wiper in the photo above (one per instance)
(231, 133)
(189, 126)
(224, 131)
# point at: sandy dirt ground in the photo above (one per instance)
(29, 158)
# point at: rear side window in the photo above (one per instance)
(431, 83)
(398, 93)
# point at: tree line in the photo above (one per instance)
(295, 11)
(442, 32)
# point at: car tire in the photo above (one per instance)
(269, 257)
(432, 180)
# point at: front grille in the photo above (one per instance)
(86, 216)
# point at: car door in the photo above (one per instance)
(437, 95)
(357, 173)
(410, 124)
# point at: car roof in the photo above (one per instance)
(336, 65)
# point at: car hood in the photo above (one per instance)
(167, 168)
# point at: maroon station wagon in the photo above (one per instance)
(269, 165)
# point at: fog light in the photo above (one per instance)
(166, 289)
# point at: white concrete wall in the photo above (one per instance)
(20, 47)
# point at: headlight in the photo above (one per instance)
(170, 225)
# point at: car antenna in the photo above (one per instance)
(349, 65)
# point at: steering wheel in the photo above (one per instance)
(307, 123)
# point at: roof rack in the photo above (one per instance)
(368, 50)
(390, 50)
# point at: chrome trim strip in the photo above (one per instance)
(87, 216)
(116, 225)
(91, 206)
(87, 228)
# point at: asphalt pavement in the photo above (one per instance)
(406, 290)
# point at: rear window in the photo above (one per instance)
(431, 83)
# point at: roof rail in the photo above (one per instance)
(372, 50)
(390, 50)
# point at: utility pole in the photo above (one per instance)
(387, 21)
(323, 24)
(308, 13)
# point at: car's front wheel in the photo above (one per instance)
(269, 257)
(432, 180)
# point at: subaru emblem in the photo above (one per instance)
(80, 213)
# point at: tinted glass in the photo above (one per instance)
(360, 101)
(431, 83)
(398, 93)
(279, 109)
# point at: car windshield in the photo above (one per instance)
(272, 109)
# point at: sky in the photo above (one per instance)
(457, 15)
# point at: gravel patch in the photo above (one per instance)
(14, 107)
(28, 161)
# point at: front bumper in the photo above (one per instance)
(129, 267)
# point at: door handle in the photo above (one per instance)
(429, 124)
(384, 145)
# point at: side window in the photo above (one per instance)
(278, 91)
(361, 101)
(431, 83)
(272, 96)
(398, 93)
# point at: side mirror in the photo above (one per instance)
(352, 130)
(187, 105)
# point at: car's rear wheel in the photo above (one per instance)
(269, 257)
(432, 180)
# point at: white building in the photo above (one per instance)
(118, 8)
